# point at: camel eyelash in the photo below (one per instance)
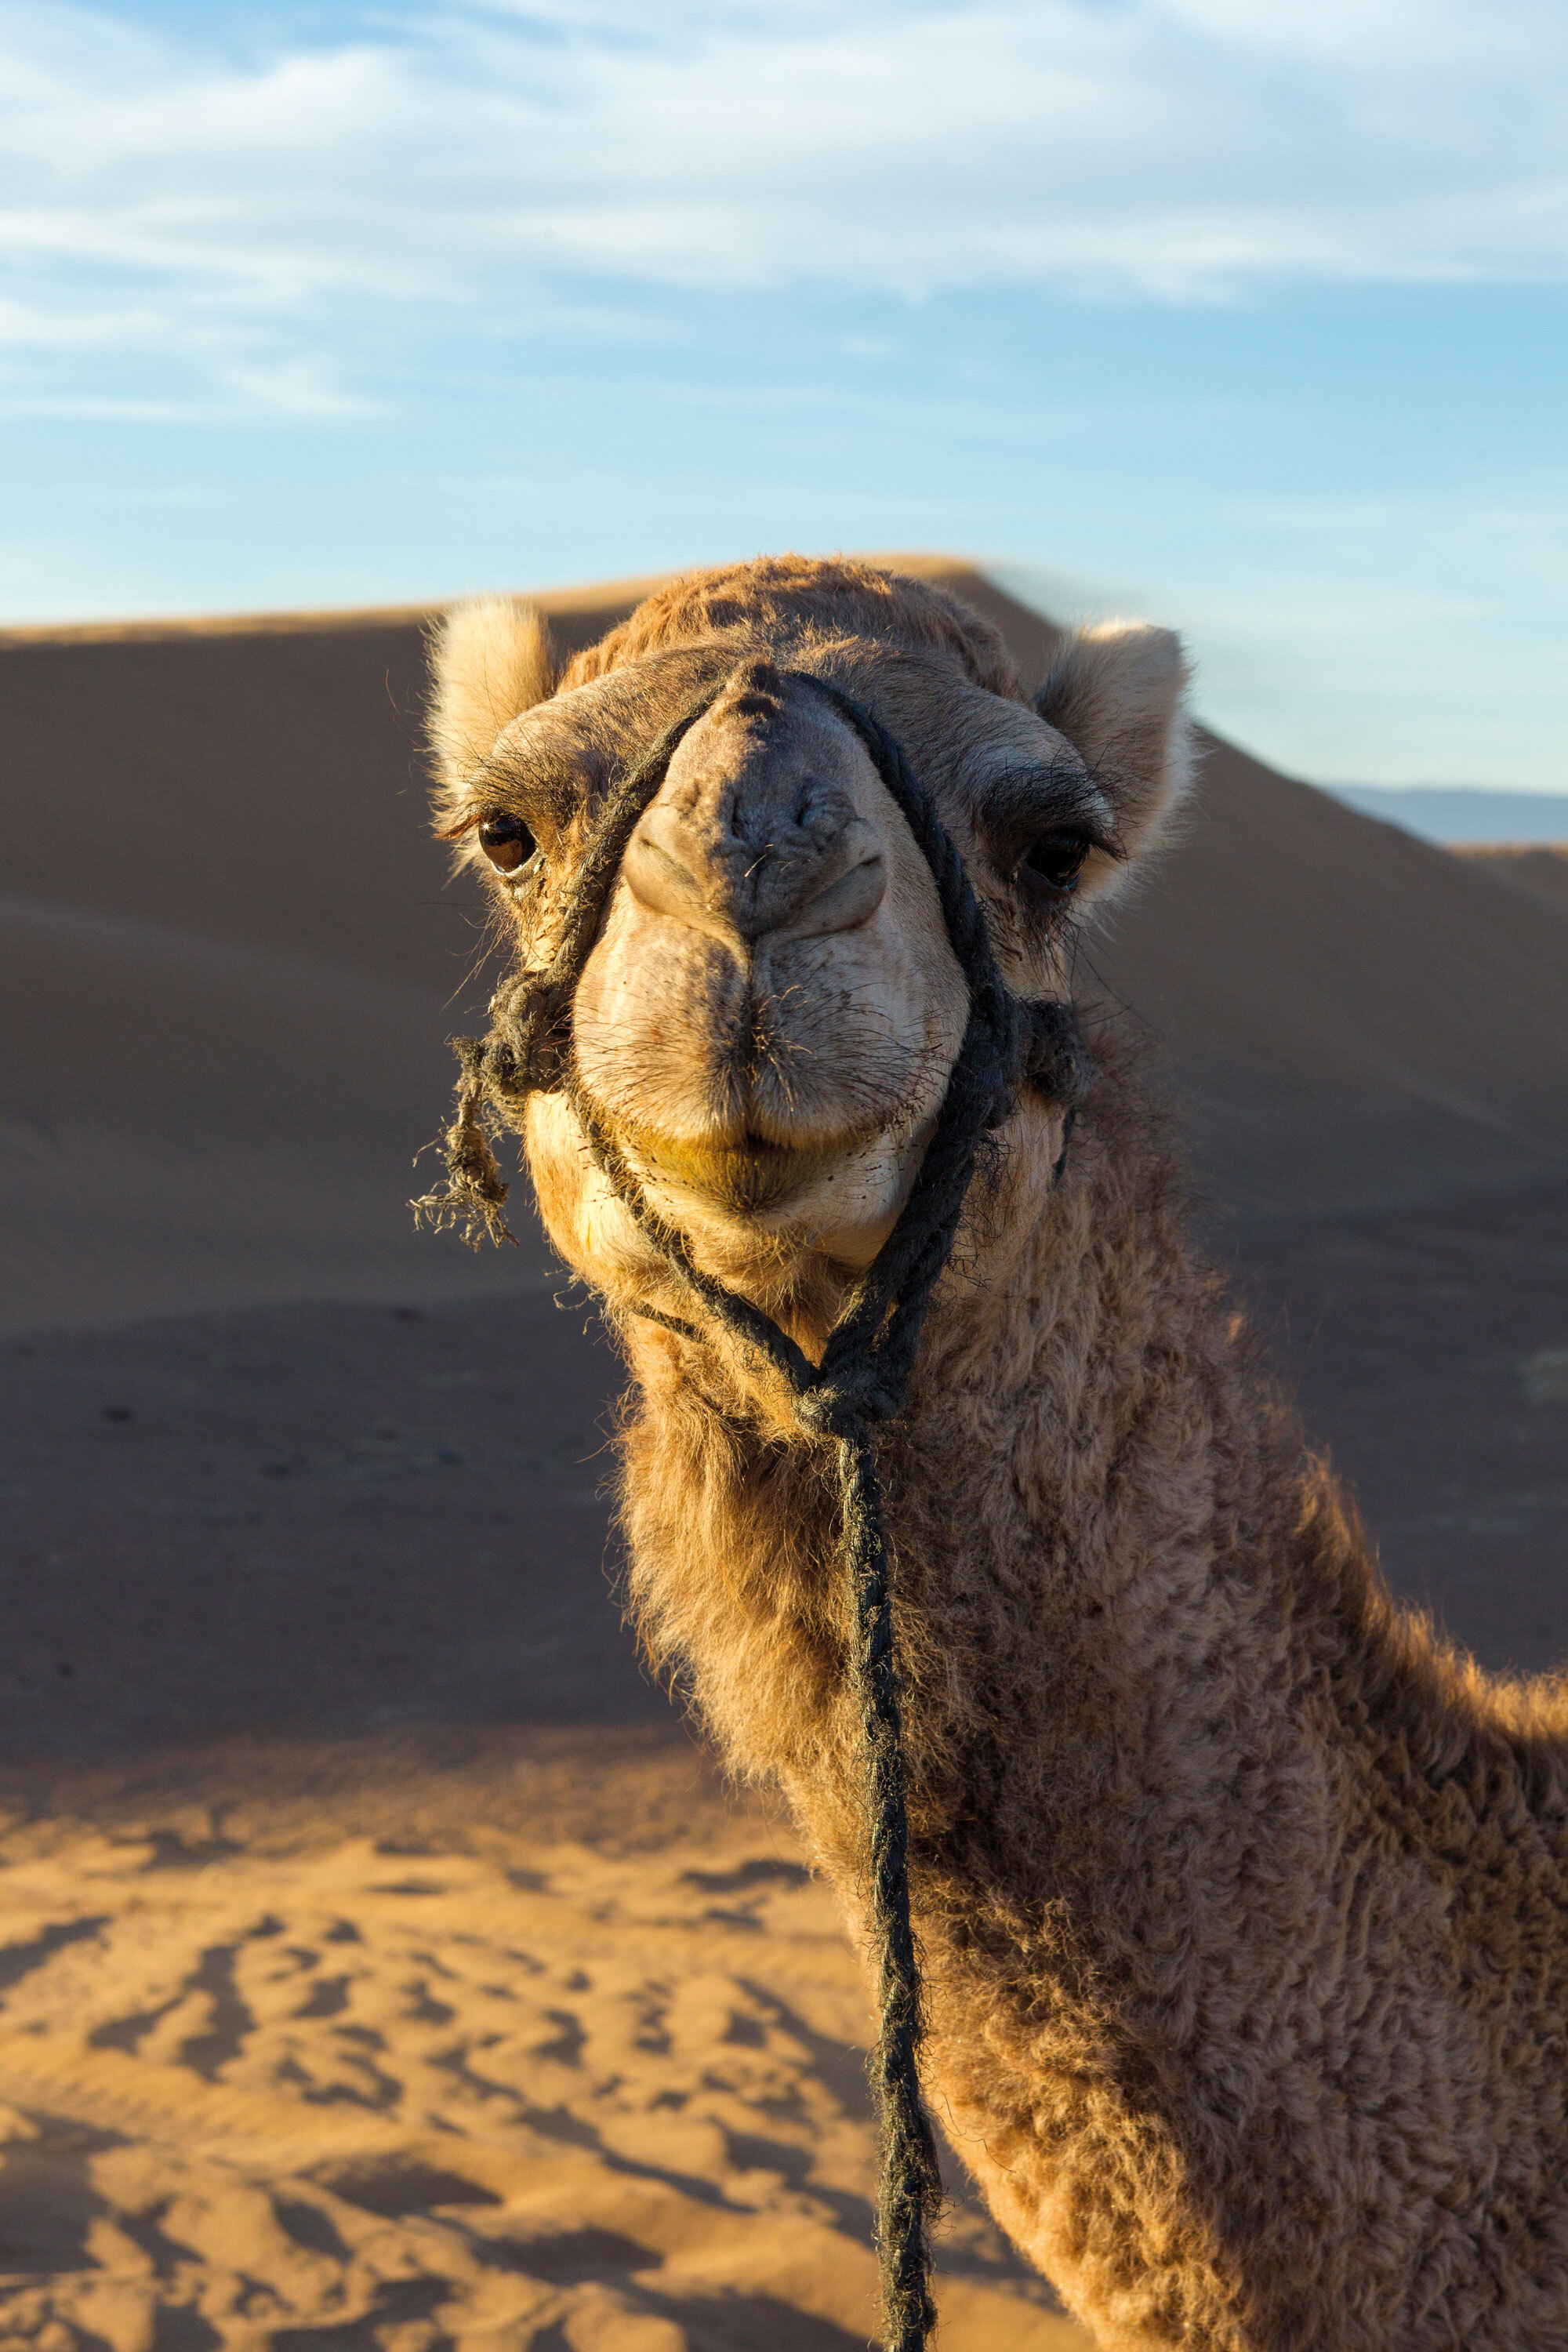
(1032, 804)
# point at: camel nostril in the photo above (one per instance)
(660, 881)
(842, 904)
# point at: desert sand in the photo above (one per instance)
(381, 1962)
(559, 2049)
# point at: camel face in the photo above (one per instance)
(769, 1016)
(769, 1019)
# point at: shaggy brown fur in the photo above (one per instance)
(1243, 1902)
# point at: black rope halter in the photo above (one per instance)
(864, 1374)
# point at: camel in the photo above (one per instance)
(1242, 1899)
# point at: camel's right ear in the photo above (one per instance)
(490, 659)
(1117, 691)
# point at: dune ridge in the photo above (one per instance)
(1539, 867)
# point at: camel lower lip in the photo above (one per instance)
(748, 1175)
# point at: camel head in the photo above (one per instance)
(767, 1020)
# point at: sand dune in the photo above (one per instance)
(228, 968)
(1354, 1018)
(185, 1117)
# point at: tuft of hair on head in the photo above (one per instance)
(1117, 690)
(490, 660)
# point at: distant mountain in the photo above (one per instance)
(1447, 813)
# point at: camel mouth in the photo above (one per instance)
(743, 1176)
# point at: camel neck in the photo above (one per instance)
(1190, 1800)
(1111, 1540)
(1087, 1451)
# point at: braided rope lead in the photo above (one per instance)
(863, 1376)
(909, 2197)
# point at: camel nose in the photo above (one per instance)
(755, 830)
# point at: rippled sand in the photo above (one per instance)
(275, 2075)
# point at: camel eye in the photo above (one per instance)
(1057, 860)
(506, 841)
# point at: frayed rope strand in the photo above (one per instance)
(476, 1191)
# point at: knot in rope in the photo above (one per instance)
(531, 1033)
(838, 1410)
(863, 1376)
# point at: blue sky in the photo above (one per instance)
(1249, 314)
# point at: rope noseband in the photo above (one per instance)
(864, 1374)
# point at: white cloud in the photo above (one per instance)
(229, 213)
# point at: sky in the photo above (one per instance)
(1245, 315)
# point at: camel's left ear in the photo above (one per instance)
(1117, 691)
(490, 659)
